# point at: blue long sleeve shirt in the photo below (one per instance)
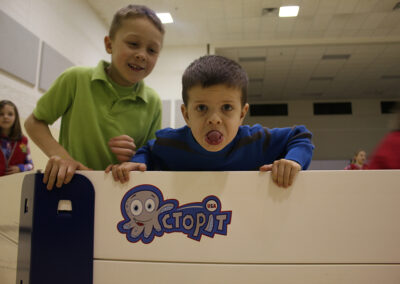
(253, 147)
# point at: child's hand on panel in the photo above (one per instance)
(60, 171)
(283, 171)
(121, 172)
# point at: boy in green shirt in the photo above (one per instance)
(106, 111)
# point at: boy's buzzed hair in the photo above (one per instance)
(213, 70)
(132, 11)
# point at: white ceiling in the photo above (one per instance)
(333, 50)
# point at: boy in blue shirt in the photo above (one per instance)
(214, 91)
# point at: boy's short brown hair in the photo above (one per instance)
(213, 70)
(132, 11)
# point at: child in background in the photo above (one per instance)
(358, 161)
(214, 91)
(387, 153)
(106, 111)
(15, 155)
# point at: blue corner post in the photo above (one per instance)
(56, 232)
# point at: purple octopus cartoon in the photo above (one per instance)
(142, 209)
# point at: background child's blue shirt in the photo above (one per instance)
(253, 146)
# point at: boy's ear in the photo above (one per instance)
(108, 44)
(245, 109)
(185, 114)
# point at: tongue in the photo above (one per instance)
(214, 137)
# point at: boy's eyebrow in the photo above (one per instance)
(197, 101)
(205, 100)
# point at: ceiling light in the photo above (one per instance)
(165, 18)
(288, 11)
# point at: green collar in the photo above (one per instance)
(99, 73)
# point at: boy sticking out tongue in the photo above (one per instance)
(214, 92)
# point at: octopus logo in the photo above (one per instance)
(146, 215)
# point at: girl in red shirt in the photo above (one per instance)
(14, 155)
(358, 161)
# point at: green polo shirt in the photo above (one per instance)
(94, 109)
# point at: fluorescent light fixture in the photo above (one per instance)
(165, 18)
(288, 11)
